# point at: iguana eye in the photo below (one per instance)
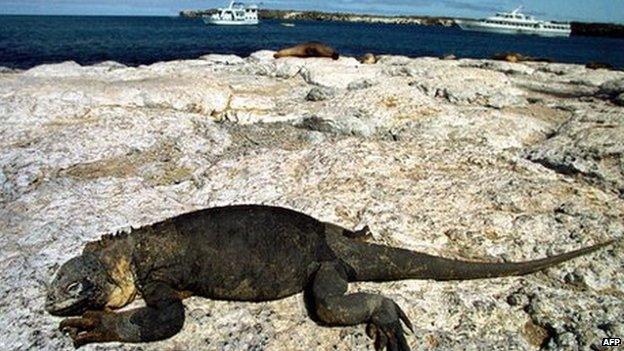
(74, 289)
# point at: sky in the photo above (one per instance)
(573, 10)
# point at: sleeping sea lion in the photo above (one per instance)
(310, 49)
(515, 57)
(368, 59)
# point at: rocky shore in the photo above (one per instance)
(472, 159)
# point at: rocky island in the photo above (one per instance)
(472, 159)
(578, 28)
(294, 15)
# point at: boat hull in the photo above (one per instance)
(479, 26)
(216, 22)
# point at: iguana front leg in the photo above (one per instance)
(335, 308)
(162, 318)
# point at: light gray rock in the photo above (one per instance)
(258, 68)
(230, 60)
(65, 69)
(619, 99)
(339, 73)
(314, 137)
(612, 88)
(288, 67)
(321, 94)
(110, 65)
(5, 186)
(89, 150)
(475, 86)
(262, 55)
(590, 145)
(7, 70)
(348, 125)
(361, 84)
(393, 60)
(561, 69)
(500, 101)
(499, 66)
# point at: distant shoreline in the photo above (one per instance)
(578, 28)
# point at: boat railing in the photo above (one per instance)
(517, 10)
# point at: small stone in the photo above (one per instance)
(321, 94)
(223, 59)
(619, 99)
(7, 70)
(361, 84)
(566, 340)
(517, 299)
(612, 87)
(262, 55)
(574, 278)
(316, 123)
(3, 178)
(534, 334)
(314, 137)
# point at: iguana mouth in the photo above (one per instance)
(70, 307)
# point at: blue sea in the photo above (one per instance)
(27, 41)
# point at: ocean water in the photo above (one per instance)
(27, 41)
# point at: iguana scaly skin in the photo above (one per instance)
(245, 253)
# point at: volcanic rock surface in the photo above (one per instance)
(471, 159)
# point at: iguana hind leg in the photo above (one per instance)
(162, 318)
(334, 307)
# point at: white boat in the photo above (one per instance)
(516, 22)
(236, 13)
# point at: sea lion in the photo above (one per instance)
(512, 57)
(368, 59)
(515, 57)
(309, 49)
(599, 65)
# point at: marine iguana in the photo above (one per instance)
(246, 253)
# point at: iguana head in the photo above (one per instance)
(81, 283)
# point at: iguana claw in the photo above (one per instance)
(385, 328)
(91, 327)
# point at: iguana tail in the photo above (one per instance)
(371, 262)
